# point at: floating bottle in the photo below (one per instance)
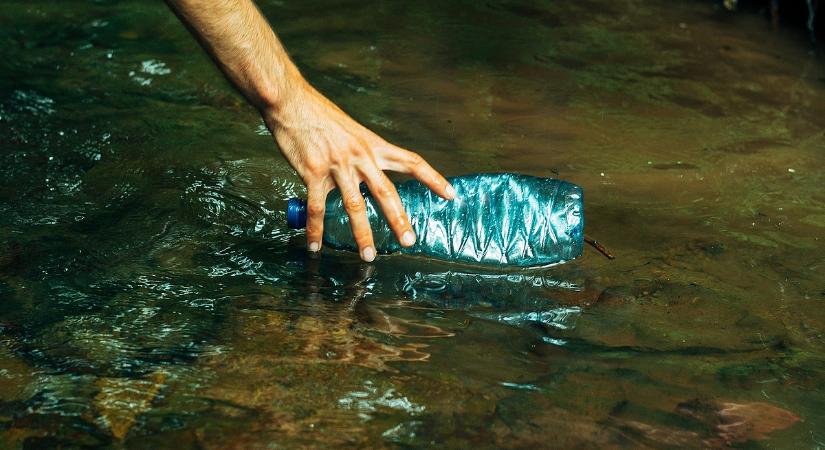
(494, 219)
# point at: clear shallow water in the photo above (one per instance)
(152, 295)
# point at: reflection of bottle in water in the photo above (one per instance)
(502, 219)
(522, 299)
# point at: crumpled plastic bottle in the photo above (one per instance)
(495, 219)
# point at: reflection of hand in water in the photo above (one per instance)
(338, 324)
(355, 284)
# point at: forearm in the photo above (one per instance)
(242, 43)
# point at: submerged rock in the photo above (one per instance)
(743, 422)
(121, 401)
(738, 423)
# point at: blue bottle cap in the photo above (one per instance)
(296, 213)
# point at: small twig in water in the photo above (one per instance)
(598, 247)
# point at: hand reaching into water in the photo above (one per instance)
(329, 149)
(323, 144)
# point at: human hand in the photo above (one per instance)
(322, 143)
(329, 149)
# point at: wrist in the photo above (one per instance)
(283, 106)
(300, 107)
(279, 96)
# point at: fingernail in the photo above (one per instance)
(368, 254)
(408, 238)
(450, 191)
(314, 246)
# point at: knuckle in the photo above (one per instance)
(354, 203)
(400, 221)
(414, 159)
(337, 159)
(314, 167)
(359, 150)
(315, 209)
(384, 191)
(313, 164)
(399, 225)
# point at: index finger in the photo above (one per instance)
(384, 191)
(411, 163)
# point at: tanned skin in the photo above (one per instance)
(321, 142)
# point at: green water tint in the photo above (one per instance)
(152, 295)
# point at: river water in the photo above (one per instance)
(152, 296)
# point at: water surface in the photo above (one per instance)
(152, 295)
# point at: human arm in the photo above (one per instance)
(325, 146)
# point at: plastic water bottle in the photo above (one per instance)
(495, 219)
